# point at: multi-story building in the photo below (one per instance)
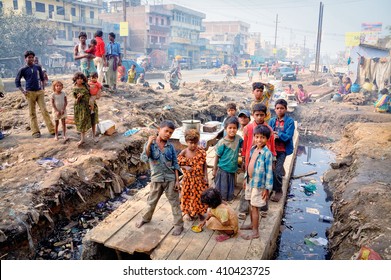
(229, 37)
(186, 27)
(69, 18)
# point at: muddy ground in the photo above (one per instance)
(34, 197)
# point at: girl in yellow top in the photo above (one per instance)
(132, 75)
(220, 216)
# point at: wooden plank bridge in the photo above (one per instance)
(118, 231)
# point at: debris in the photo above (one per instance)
(304, 175)
(312, 210)
(50, 163)
(319, 241)
(131, 132)
(367, 253)
(309, 163)
(326, 219)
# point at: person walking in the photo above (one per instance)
(34, 93)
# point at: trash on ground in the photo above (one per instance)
(367, 253)
(309, 163)
(131, 132)
(312, 210)
(106, 127)
(318, 241)
(50, 163)
(326, 219)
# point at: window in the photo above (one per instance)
(60, 10)
(162, 21)
(92, 14)
(29, 8)
(156, 21)
(61, 34)
(40, 7)
(150, 20)
(162, 40)
(15, 4)
(153, 39)
(73, 11)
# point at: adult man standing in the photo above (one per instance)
(99, 59)
(113, 60)
(34, 92)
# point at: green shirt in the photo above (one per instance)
(228, 153)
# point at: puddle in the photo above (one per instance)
(303, 235)
(65, 243)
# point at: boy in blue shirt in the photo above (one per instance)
(259, 178)
(162, 159)
(283, 129)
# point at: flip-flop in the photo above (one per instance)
(222, 237)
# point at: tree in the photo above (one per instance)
(21, 32)
(281, 54)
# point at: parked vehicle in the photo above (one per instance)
(285, 73)
(186, 62)
(56, 63)
(205, 62)
(128, 64)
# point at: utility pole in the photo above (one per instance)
(319, 39)
(275, 38)
(304, 54)
(125, 37)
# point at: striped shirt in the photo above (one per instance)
(262, 175)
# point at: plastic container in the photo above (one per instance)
(326, 219)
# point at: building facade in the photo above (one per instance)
(68, 17)
(228, 37)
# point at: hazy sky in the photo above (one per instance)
(297, 18)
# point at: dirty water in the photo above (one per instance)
(65, 243)
(303, 231)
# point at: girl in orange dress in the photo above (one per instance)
(195, 179)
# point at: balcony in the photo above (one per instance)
(60, 18)
(159, 28)
(92, 22)
(180, 40)
(187, 26)
(158, 46)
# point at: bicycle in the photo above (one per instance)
(167, 75)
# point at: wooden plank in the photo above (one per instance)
(131, 239)
(185, 241)
(118, 219)
(197, 245)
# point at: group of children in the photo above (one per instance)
(263, 150)
(85, 92)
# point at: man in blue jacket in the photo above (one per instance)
(283, 129)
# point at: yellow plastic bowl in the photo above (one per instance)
(196, 229)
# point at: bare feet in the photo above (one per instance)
(80, 143)
(253, 235)
(64, 137)
(140, 223)
(177, 230)
(222, 237)
(187, 218)
(96, 140)
(56, 138)
(244, 227)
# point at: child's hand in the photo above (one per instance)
(151, 139)
(177, 186)
(188, 168)
(275, 134)
(214, 173)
